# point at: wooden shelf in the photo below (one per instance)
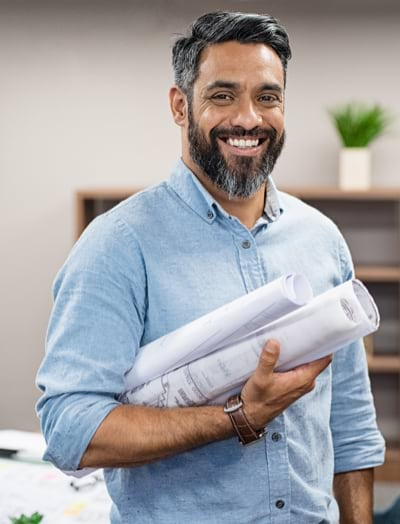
(378, 273)
(322, 193)
(393, 452)
(384, 364)
(334, 193)
(113, 193)
(390, 470)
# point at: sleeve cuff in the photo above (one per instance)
(76, 424)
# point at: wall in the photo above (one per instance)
(83, 103)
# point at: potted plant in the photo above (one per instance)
(35, 518)
(358, 125)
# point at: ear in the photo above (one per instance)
(178, 105)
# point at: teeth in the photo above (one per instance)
(242, 143)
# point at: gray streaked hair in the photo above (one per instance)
(225, 26)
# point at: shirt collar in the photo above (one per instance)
(189, 188)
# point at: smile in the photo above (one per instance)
(240, 142)
(247, 146)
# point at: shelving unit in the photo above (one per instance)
(370, 222)
(383, 364)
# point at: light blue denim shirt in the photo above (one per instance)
(155, 262)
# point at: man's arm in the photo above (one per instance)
(135, 435)
(353, 492)
(358, 444)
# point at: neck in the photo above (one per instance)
(247, 210)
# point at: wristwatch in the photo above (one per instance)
(244, 430)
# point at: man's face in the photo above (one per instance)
(235, 128)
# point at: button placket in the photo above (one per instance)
(278, 471)
(249, 258)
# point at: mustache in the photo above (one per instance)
(256, 132)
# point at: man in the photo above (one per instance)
(215, 230)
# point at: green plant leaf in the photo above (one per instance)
(35, 518)
(359, 124)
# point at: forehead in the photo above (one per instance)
(243, 63)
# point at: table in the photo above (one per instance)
(28, 487)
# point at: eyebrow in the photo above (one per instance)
(271, 87)
(225, 84)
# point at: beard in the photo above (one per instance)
(239, 178)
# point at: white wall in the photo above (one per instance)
(83, 103)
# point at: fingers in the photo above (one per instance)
(269, 356)
(300, 379)
(317, 366)
(265, 368)
(307, 373)
(324, 362)
(267, 393)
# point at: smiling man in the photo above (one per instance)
(217, 229)
(235, 127)
(243, 118)
(232, 120)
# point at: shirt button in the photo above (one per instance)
(280, 503)
(276, 437)
(246, 244)
(210, 214)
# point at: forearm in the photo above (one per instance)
(135, 435)
(354, 493)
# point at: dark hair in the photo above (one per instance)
(225, 26)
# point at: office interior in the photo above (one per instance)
(84, 107)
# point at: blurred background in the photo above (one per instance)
(83, 104)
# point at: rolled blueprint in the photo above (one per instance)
(327, 323)
(218, 328)
(226, 324)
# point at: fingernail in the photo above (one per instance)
(270, 348)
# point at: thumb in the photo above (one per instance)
(256, 386)
(269, 356)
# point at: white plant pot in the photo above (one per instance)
(355, 168)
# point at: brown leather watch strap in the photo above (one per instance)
(244, 430)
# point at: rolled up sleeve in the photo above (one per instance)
(358, 443)
(93, 336)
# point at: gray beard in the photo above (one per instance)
(246, 176)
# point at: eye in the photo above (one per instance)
(222, 98)
(267, 98)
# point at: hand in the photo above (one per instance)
(267, 393)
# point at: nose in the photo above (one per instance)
(246, 115)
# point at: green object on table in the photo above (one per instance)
(359, 124)
(35, 518)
